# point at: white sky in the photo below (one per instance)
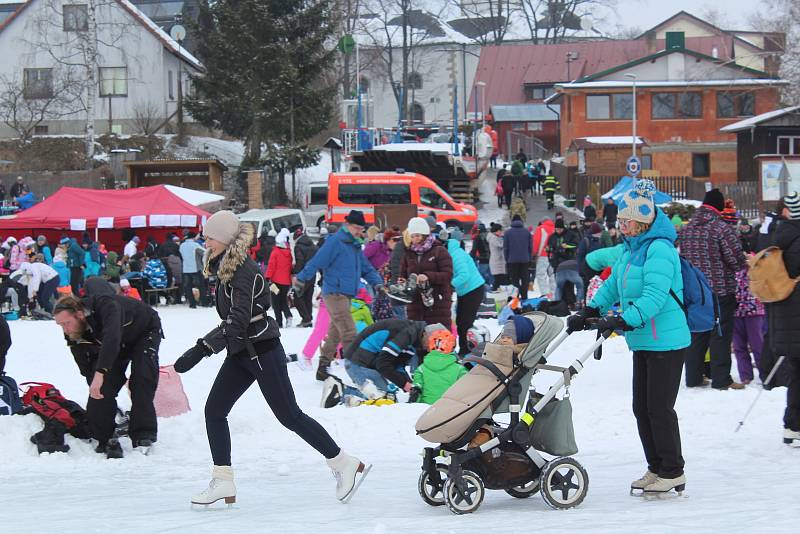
(647, 13)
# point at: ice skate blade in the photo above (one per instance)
(359, 480)
(203, 506)
(791, 442)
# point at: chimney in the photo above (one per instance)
(650, 41)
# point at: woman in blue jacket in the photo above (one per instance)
(469, 285)
(646, 280)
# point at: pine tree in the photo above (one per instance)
(269, 70)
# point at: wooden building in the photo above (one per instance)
(199, 174)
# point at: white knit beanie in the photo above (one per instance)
(418, 225)
(223, 226)
(282, 239)
(792, 203)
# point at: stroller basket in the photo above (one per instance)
(472, 397)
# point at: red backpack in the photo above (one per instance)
(47, 401)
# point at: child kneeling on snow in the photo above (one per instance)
(439, 370)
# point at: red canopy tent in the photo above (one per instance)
(149, 211)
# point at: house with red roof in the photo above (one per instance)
(139, 67)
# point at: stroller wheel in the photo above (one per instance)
(464, 494)
(431, 492)
(525, 490)
(564, 483)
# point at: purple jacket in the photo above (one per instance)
(377, 253)
(713, 247)
(747, 305)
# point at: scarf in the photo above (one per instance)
(425, 246)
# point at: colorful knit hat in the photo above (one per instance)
(792, 203)
(637, 204)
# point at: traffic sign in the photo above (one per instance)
(634, 166)
(346, 44)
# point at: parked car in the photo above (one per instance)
(364, 190)
(315, 204)
(272, 219)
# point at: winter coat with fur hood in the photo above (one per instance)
(242, 295)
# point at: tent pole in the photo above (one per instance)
(96, 233)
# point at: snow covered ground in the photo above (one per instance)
(739, 482)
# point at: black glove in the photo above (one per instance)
(414, 394)
(613, 322)
(299, 287)
(577, 321)
(192, 357)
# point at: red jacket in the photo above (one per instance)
(540, 237)
(279, 268)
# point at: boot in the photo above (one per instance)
(791, 437)
(639, 484)
(51, 438)
(112, 449)
(349, 473)
(664, 485)
(220, 487)
(322, 369)
(332, 392)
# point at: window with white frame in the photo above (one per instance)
(38, 83)
(113, 81)
(789, 145)
(75, 17)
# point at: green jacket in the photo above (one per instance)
(361, 314)
(437, 373)
(112, 271)
(641, 278)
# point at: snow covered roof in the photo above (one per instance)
(746, 124)
(607, 84)
(525, 112)
(606, 142)
(406, 147)
(168, 42)
(194, 197)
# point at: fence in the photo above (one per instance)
(745, 195)
(532, 147)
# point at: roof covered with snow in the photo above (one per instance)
(607, 84)
(746, 124)
(525, 112)
(406, 147)
(194, 197)
(606, 141)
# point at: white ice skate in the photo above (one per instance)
(332, 392)
(638, 485)
(349, 473)
(221, 487)
(370, 390)
(663, 486)
(289, 321)
(791, 437)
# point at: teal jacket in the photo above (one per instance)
(646, 268)
(466, 276)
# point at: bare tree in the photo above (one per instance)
(486, 21)
(395, 28)
(783, 16)
(551, 21)
(146, 117)
(76, 37)
(24, 107)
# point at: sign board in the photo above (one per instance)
(633, 166)
(388, 215)
(346, 44)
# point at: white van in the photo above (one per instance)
(315, 204)
(272, 219)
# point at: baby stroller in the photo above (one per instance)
(459, 470)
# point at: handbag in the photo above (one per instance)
(552, 431)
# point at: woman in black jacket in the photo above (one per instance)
(784, 316)
(255, 354)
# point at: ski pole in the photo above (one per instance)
(760, 391)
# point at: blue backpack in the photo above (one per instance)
(10, 402)
(699, 303)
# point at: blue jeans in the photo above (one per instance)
(360, 374)
(563, 277)
(483, 268)
(399, 310)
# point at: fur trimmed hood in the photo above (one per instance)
(233, 257)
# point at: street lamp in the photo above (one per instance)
(632, 76)
(482, 85)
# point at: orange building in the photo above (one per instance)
(683, 98)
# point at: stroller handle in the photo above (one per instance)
(570, 371)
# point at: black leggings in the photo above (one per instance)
(466, 311)
(280, 303)
(235, 376)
